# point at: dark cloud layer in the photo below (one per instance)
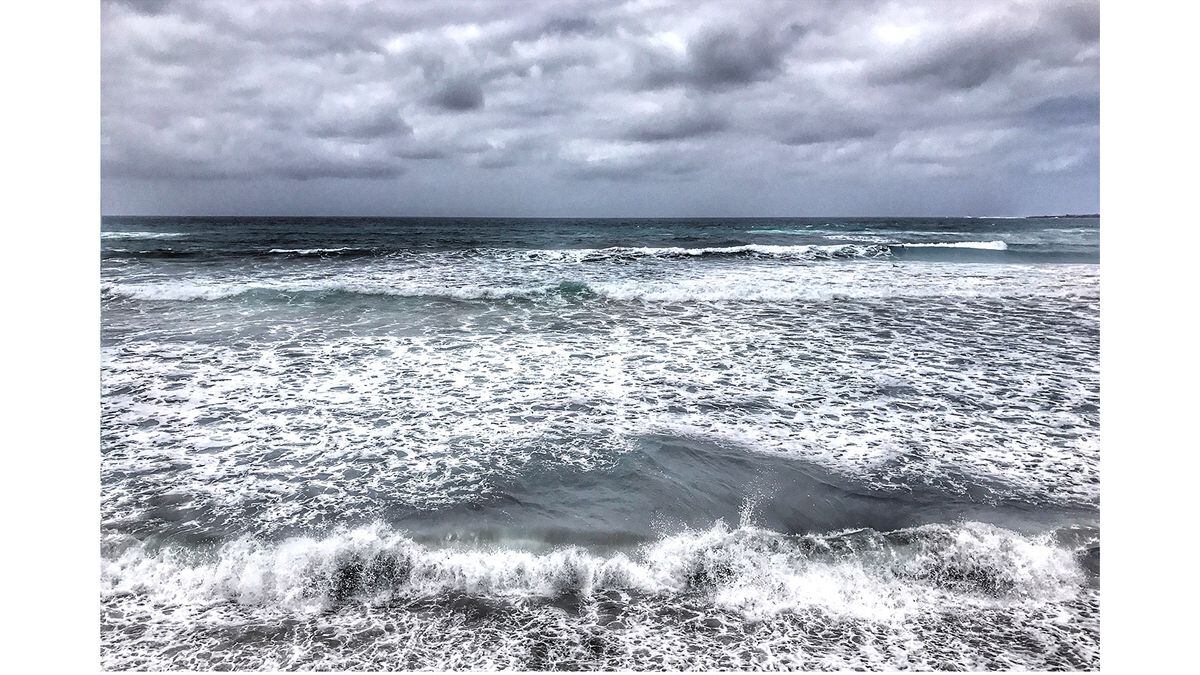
(600, 108)
(675, 124)
(459, 94)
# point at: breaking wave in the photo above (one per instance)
(188, 290)
(996, 245)
(703, 289)
(141, 235)
(317, 251)
(779, 231)
(798, 252)
(849, 247)
(749, 571)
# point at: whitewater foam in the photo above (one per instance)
(188, 290)
(939, 597)
(980, 245)
(313, 251)
(420, 407)
(753, 572)
(142, 235)
(865, 281)
(797, 252)
(780, 231)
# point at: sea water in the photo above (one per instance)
(367, 443)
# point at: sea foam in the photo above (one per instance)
(142, 235)
(797, 252)
(870, 280)
(754, 572)
(996, 245)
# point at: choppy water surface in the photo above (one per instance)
(549, 444)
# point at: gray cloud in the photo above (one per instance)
(459, 93)
(808, 128)
(635, 164)
(563, 25)
(993, 44)
(600, 107)
(675, 124)
(145, 6)
(721, 57)
(1067, 111)
(960, 62)
(348, 120)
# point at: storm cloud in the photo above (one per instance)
(600, 108)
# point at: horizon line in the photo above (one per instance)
(367, 216)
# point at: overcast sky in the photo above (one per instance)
(648, 108)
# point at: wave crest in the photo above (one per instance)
(317, 251)
(996, 245)
(142, 235)
(188, 290)
(755, 572)
(714, 289)
(797, 252)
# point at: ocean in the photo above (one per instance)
(563, 444)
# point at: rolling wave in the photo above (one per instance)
(746, 570)
(780, 231)
(316, 251)
(631, 290)
(979, 245)
(188, 291)
(796, 252)
(142, 235)
(863, 247)
(615, 253)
